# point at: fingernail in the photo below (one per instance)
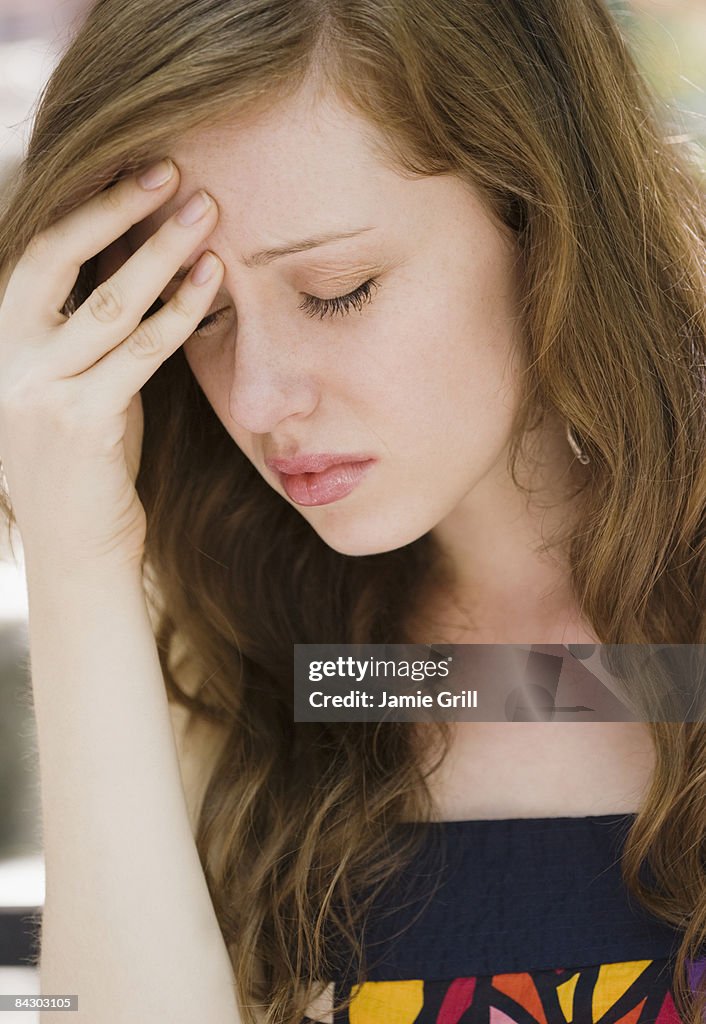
(204, 269)
(156, 175)
(194, 210)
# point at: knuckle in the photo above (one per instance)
(64, 418)
(112, 199)
(68, 414)
(159, 248)
(181, 305)
(104, 302)
(145, 340)
(24, 401)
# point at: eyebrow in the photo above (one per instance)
(266, 256)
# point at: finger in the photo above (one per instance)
(47, 270)
(119, 375)
(114, 310)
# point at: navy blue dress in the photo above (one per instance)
(530, 923)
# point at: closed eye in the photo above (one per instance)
(210, 321)
(312, 306)
(341, 304)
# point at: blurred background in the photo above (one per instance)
(669, 40)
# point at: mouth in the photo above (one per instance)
(327, 485)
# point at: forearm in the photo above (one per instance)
(128, 921)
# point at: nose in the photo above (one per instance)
(270, 381)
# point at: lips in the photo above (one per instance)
(327, 486)
(316, 463)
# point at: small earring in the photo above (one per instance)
(575, 447)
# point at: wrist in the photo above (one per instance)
(47, 571)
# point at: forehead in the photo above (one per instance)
(277, 168)
(307, 166)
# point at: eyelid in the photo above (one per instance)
(340, 304)
(342, 280)
(312, 305)
(211, 319)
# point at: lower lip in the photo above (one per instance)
(329, 485)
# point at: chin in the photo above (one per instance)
(366, 537)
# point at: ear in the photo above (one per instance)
(112, 258)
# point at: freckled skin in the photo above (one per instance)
(424, 376)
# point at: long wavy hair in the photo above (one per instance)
(539, 106)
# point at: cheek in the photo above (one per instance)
(452, 384)
(463, 344)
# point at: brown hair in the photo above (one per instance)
(539, 106)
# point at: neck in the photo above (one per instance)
(508, 577)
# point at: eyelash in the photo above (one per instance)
(313, 306)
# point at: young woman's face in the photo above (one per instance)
(418, 374)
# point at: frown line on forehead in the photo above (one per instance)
(265, 256)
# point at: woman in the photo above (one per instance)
(509, 332)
